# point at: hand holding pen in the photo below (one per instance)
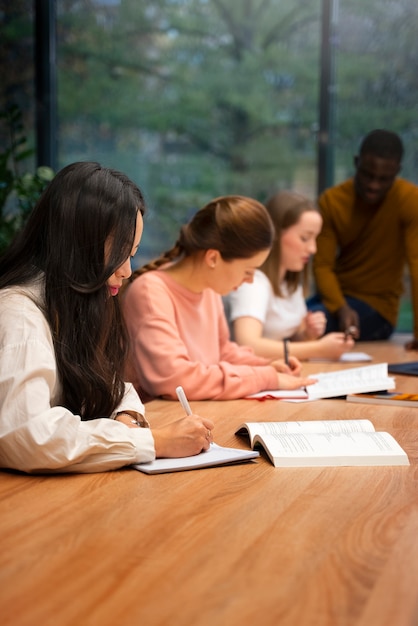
(187, 436)
(349, 321)
(351, 331)
(289, 364)
(186, 406)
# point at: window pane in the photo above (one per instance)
(17, 69)
(192, 98)
(377, 87)
(377, 81)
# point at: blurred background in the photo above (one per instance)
(198, 98)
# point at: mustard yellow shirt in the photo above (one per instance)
(362, 251)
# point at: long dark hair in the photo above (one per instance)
(237, 226)
(84, 209)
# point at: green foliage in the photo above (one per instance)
(192, 99)
(195, 99)
(19, 189)
(376, 76)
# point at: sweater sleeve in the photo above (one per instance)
(326, 279)
(166, 352)
(37, 435)
(410, 225)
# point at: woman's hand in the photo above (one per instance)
(315, 324)
(184, 437)
(294, 368)
(333, 345)
(287, 381)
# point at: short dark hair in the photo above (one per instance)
(384, 144)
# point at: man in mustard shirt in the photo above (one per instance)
(369, 232)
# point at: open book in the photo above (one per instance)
(324, 443)
(340, 383)
(216, 455)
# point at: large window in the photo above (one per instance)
(376, 77)
(192, 98)
(198, 98)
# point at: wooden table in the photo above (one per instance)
(227, 546)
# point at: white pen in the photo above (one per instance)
(183, 400)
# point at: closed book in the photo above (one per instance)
(389, 398)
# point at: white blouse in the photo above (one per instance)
(281, 317)
(36, 433)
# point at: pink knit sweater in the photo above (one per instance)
(179, 337)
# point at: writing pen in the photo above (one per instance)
(286, 350)
(186, 406)
(183, 400)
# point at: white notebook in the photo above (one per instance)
(216, 455)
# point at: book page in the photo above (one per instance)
(353, 380)
(332, 449)
(334, 384)
(312, 426)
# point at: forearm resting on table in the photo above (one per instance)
(248, 331)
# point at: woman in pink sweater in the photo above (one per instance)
(175, 317)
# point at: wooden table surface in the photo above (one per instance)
(226, 546)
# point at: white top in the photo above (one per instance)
(281, 317)
(36, 433)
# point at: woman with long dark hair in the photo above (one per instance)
(64, 405)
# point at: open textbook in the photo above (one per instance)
(216, 455)
(324, 443)
(340, 383)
